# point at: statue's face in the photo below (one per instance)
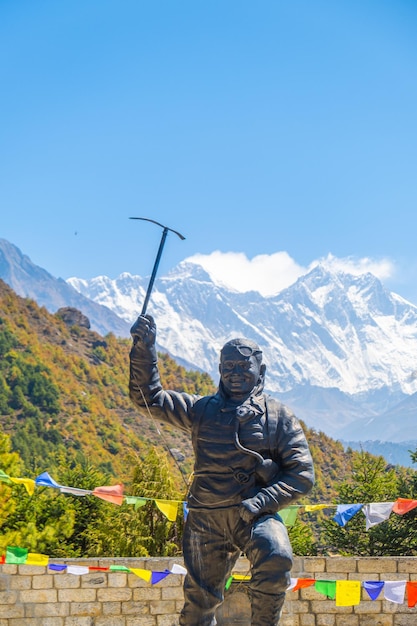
(239, 373)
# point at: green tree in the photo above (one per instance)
(143, 531)
(302, 539)
(11, 465)
(372, 481)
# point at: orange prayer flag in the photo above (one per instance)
(403, 505)
(112, 494)
(412, 593)
(302, 583)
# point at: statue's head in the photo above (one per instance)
(241, 368)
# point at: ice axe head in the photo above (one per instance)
(158, 256)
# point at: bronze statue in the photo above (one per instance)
(251, 460)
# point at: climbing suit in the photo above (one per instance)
(233, 443)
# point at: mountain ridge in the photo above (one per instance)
(339, 348)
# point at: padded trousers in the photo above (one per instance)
(213, 541)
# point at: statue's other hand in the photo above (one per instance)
(144, 330)
(249, 509)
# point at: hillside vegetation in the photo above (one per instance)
(65, 409)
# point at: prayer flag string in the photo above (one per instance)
(375, 512)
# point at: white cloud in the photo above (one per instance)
(271, 273)
(382, 268)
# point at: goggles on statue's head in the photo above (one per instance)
(243, 349)
(247, 350)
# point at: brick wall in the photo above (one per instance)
(37, 596)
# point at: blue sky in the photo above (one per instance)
(271, 134)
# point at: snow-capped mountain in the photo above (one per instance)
(329, 330)
(339, 348)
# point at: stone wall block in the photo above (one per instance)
(377, 565)
(49, 609)
(162, 607)
(167, 620)
(112, 608)
(76, 595)
(114, 595)
(147, 594)
(67, 581)
(135, 608)
(325, 620)
(172, 593)
(313, 565)
(38, 596)
(340, 564)
(86, 608)
(376, 620)
(94, 580)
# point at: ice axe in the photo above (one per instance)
(158, 256)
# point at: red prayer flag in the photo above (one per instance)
(98, 569)
(403, 505)
(412, 593)
(303, 582)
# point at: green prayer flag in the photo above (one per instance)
(119, 568)
(5, 478)
(136, 501)
(289, 515)
(326, 587)
(16, 556)
(228, 582)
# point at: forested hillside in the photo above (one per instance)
(64, 409)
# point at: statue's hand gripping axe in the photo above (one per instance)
(158, 257)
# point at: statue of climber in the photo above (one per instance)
(251, 460)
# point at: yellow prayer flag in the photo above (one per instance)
(27, 482)
(348, 592)
(169, 508)
(142, 573)
(309, 508)
(37, 559)
(241, 577)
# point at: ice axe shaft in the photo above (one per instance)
(158, 257)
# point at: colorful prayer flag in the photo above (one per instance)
(302, 583)
(28, 484)
(377, 512)
(136, 501)
(411, 593)
(289, 515)
(169, 508)
(37, 559)
(44, 480)
(404, 505)
(158, 576)
(373, 588)
(394, 591)
(326, 587)
(16, 555)
(345, 512)
(112, 494)
(145, 574)
(348, 592)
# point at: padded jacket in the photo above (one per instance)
(230, 440)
